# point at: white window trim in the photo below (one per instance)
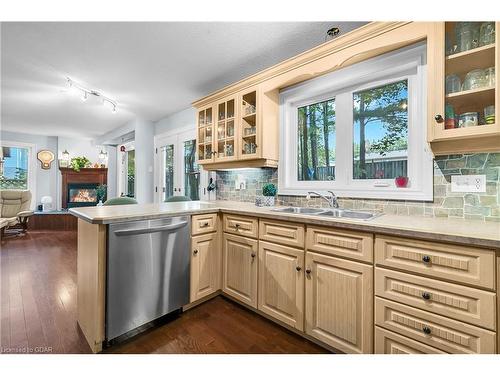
(32, 165)
(122, 162)
(407, 63)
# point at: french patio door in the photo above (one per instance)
(179, 174)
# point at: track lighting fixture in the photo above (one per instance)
(85, 92)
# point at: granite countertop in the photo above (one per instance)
(465, 232)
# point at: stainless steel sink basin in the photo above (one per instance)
(363, 215)
(300, 210)
(332, 212)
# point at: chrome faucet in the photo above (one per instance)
(332, 199)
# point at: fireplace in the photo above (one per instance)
(80, 195)
(79, 188)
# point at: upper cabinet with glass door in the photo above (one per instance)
(249, 124)
(467, 104)
(225, 135)
(205, 129)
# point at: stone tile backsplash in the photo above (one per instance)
(482, 206)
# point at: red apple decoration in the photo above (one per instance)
(401, 181)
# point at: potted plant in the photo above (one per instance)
(269, 192)
(100, 193)
(80, 162)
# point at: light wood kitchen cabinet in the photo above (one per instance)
(205, 134)
(282, 233)
(387, 342)
(240, 265)
(339, 302)
(448, 58)
(205, 265)
(281, 283)
(205, 223)
(461, 264)
(434, 330)
(344, 243)
(238, 137)
(226, 134)
(467, 304)
(241, 225)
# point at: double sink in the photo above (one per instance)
(329, 212)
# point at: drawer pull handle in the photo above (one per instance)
(253, 255)
(237, 226)
(426, 296)
(195, 252)
(308, 271)
(427, 330)
(426, 259)
(205, 224)
(298, 268)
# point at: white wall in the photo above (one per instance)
(46, 180)
(182, 120)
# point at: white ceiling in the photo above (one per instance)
(150, 69)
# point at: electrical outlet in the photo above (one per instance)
(468, 183)
(240, 183)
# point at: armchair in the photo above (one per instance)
(15, 209)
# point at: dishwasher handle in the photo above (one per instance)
(165, 228)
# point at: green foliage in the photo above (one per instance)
(101, 191)
(19, 182)
(79, 163)
(387, 105)
(269, 190)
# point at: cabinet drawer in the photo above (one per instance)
(204, 224)
(282, 233)
(241, 225)
(345, 243)
(455, 301)
(443, 333)
(387, 342)
(456, 263)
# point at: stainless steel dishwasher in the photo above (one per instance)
(147, 272)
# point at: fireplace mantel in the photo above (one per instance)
(86, 175)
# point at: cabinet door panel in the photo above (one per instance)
(204, 224)
(282, 233)
(443, 333)
(387, 342)
(205, 265)
(241, 225)
(455, 301)
(339, 303)
(449, 262)
(240, 268)
(281, 283)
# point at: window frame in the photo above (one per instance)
(32, 150)
(407, 63)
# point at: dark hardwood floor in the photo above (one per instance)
(38, 310)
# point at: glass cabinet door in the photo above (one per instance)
(205, 135)
(249, 108)
(225, 147)
(469, 51)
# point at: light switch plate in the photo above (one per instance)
(474, 183)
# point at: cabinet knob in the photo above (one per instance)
(427, 330)
(253, 255)
(195, 251)
(205, 224)
(298, 268)
(438, 118)
(426, 259)
(426, 295)
(308, 271)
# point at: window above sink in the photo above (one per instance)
(357, 129)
